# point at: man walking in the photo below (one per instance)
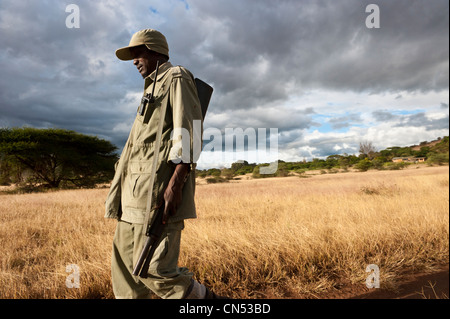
(167, 131)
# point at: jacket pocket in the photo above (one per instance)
(139, 183)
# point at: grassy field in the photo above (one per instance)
(263, 238)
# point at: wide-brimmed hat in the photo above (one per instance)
(152, 39)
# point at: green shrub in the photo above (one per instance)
(216, 179)
(396, 166)
(437, 159)
(364, 165)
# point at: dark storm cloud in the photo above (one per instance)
(421, 120)
(53, 76)
(255, 54)
(345, 121)
(322, 44)
(383, 116)
(412, 120)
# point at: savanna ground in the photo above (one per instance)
(285, 237)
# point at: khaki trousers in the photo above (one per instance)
(165, 278)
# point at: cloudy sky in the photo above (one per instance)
(311, 69)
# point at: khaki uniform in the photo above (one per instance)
(127, 198)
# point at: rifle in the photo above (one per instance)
(156, 228)
(153, 233)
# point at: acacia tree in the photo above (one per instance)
(57, 156)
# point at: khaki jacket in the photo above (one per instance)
(127, 197)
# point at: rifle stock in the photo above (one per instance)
(204, 92)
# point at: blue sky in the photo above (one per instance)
(309, 68)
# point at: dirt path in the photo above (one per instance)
(418, 286)
(414, 286)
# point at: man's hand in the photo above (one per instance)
(173, 192)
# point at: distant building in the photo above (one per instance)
(409, 159)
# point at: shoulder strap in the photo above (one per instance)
(154, 165)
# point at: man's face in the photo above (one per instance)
(144, 60)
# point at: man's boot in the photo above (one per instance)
(198, 291)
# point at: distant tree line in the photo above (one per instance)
(54, 158)
(368, 158)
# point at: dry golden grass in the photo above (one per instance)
(42, 233)
(277, 237)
